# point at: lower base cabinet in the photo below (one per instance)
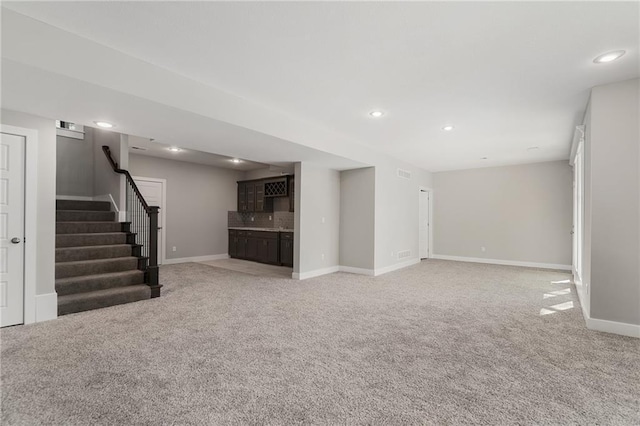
(261, 246)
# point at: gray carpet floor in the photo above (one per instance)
(437, 343)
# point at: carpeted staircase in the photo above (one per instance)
(97, 262)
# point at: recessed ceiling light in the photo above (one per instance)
(533, 148)
(484, 158)
(609, 56)
(174, 149)
(235, 160)
(103, 124)
(447, 128)
(376, 114)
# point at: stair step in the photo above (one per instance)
(86, 283)
(102, 298)
(94, 239)
(83, 205)
(92, 267)
(73, 254)
(84, 216)
(87, 227)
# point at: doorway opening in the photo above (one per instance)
(154, 191)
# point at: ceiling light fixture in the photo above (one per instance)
(104, 124)
(484, 158)
(609, 57)
(235, 160)
(447, 128)
(376, 114)
(174, 149)
(533, 148)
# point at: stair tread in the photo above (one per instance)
(93, 247)
(97, 276)
(111, 259)
(101, 293)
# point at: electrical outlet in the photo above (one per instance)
(173, 248)
(322, 219)
(322, 255)
(251, 218)
(483, 249)
(391, 254)
(269, 217)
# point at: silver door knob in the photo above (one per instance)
(15, 240)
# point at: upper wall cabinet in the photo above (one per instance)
(276, 187)
(251, 197)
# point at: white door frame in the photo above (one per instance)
(163, 243)
(30, 216)
(430, 214)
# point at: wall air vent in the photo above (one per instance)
(404, 174)
(404, 254)
(138, 148)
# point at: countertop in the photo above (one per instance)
(240, 228)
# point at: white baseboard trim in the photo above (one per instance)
(314, 273)
(359, 271)
(625, 329)
(387, 269)
(46, 307)
(196, 259)
(503, 262)
(74, 197)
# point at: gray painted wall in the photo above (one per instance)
(198, 199)
(75, 165)
(518, 213)
(46, 214)
(396, 212)
(106, 181)
(614, 202)
(318, 197)
(357, 218)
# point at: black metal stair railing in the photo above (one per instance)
(143, 223)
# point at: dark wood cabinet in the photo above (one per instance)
(286, 249)
(233, 243)
(275, 248)
(242, 197)
(251, 197)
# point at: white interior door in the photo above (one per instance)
(153, 191)
(12, 148)
(423, 226)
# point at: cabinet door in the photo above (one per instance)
(252, 248)
(271, 255)
(286, 248)
(241, 249)
(233, 244)
(242, 197)
(251, 197)
(259, 191)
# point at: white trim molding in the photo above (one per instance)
(314, 273)
(46, 306)
(401, 265)
(503, 262)
(623, 328)
(196, 259)
(359, 271)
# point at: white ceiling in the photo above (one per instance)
(507, 75)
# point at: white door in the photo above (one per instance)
(153, 191)
(12, 149)
(423, 226)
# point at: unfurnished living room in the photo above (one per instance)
(320, 213)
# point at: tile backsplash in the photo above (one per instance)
(277, 219)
